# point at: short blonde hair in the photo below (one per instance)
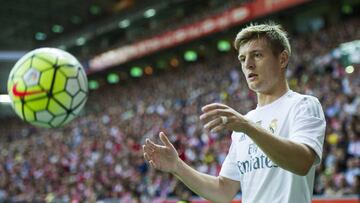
(271, 32)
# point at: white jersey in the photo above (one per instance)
(293, 116)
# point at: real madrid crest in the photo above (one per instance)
(273, 125)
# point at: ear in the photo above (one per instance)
(284, 59)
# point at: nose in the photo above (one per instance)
(249, 63)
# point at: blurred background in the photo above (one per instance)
(151, 66)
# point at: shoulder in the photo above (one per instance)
(302, 98)
(307, 104)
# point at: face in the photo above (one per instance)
(261, 68)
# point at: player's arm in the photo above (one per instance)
(286, 153)
(216, 189)
(165, 158)
(289, 155)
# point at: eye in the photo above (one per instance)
(258, 55)
(242, 59)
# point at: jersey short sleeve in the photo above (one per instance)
(308, 125)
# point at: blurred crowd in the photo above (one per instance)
(98, 156)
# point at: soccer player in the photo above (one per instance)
(274, 148)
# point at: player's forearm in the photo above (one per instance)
(206, 186)
(294, 157)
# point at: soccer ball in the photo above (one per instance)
(47, 87)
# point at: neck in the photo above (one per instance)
(269, 96)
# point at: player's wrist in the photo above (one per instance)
(178, 165)
(248, 128)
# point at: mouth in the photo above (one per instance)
(252, 76)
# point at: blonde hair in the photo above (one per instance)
(271, 32)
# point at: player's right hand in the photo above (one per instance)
(161, 157)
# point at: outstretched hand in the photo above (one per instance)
(217, 117)
(161, 157)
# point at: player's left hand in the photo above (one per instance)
(217, 117)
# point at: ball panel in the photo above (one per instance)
(78, 109)
(40, 124)
(28, 114)
(47, 55)
(59, 84)
(31, 77)
(58, 120)
(69, 71)
(40, 63)
(47, 78)
(55, 108)
(72, 86)
(38, 105)
(21, 69)
(64, 99)
(68, 119)
(80, 97)
(66, 58)
(83, 80)
(44, 116)
(40, 95)
(18, 106)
